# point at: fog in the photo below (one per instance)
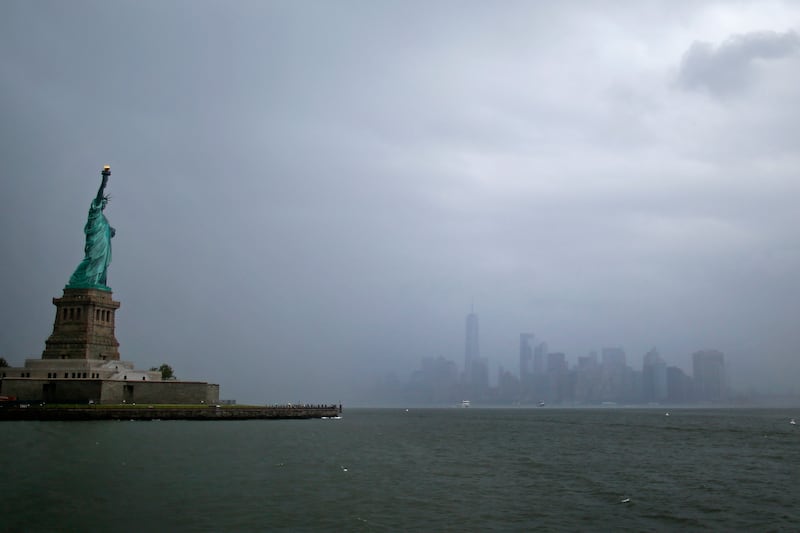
(308, 195)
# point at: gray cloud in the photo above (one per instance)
(728, 68)
(307, 195)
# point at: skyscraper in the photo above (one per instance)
(587, 379)
(557, 377)
(526, 341)
(613, 357)
(539, 355)
(679, 385)
(654, 377)
(614, 375)
(471, 347)
(709, 375)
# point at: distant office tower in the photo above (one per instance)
(526, 341)
(557, 377)
(587, 379)
(588, 360)
(471, 348)
(480, 376)
(539, 356)
(508, 387)
(709, 375)
(436, 382)
(654, 377)
(613, 357)
(556, 362)
(679, 385)
(615, 376)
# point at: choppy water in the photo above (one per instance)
(421, 470)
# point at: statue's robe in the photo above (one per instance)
(91, 272)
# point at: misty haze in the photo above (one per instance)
(390, 266)
(310, 198)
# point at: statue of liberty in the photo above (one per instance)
(91, 272)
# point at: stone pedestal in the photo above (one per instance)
(84, 326)
(81, 363)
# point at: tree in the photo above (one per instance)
(166, 371)
(3, 362)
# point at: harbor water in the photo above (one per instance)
(410, 470)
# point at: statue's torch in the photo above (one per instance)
(106, 171)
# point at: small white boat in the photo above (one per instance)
(792, 422)
(464, 403)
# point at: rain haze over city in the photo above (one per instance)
(310, 196)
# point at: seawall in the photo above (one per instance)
(156, 412)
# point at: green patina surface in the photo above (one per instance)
(92, 271)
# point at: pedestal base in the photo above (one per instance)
(84, 326)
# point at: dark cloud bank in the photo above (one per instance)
(308, 196)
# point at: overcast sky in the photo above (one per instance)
(310, 194)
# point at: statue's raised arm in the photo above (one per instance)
(105, 173)
(92, 271)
